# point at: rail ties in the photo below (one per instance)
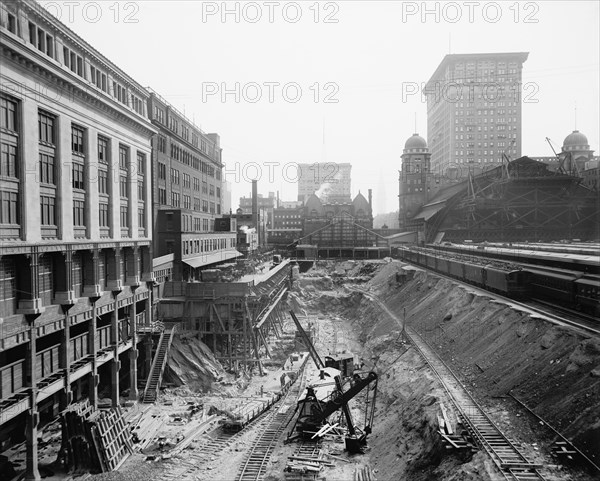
(513, 464)
(255, 464)
(510, 460)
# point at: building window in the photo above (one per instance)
(47, 169)
(174, 176)
(77, 140)
(12, 23)
(175, 199)
(162, 171)
(46, 127)
(124, 216)
(141, 163)
(123, 157)
(162, 144)
(78, 175)
(102, 181)
(103, 150)
(103, 215)
(123, 187)
(141, 190)
(141, 218)
(162, 196)
(98, 78)
(48, 210)
(78, 213)
(8, 114)
(9, 166)
(9, 208)
(73, 61)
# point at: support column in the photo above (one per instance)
(133, 353)
(115, 364)
(65, 296)
(66, 397)
(32, 472)
(92, 350)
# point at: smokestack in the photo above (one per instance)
(255, 207)
(371, 200)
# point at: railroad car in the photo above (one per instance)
(587, 294)
(567, 287)
(584, 263)
(456, 269)
(512, 283)
(474, 274)
(558, 287)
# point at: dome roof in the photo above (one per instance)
(415, 142)
(575, 140)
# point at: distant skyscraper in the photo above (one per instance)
(474, 112)
(330, 181)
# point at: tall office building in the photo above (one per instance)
(330, 181)
(474, 112)
(75, 223)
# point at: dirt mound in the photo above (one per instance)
(192, 364)
(497, 348)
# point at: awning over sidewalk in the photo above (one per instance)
(207, 259)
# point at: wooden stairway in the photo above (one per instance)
(158, 365)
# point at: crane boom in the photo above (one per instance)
(309, 345)
(344, 398)
(318, 412)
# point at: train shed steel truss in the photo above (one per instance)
(523, 201)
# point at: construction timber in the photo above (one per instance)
(233, 319)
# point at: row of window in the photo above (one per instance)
(48, 171)
(188, 158)
(11, 270)
(199, 246)
(177, 177)
(45, 43)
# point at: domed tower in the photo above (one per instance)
(575, 152)
(413, 187)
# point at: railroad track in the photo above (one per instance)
(210, 446)
(570, 312)
(506, 455)
(513, 464)
(255, 464)
(213, 444)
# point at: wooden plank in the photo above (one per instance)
(449, 428)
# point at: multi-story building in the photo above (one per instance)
(474, 112)
(75, 223)
(287, 224)
(188, 193)
(267, 203)
(331, 182)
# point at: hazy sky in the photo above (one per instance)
(303, 82)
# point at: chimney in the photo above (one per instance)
(255, 207)
(371, 200)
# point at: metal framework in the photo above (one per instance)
(522, 202)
